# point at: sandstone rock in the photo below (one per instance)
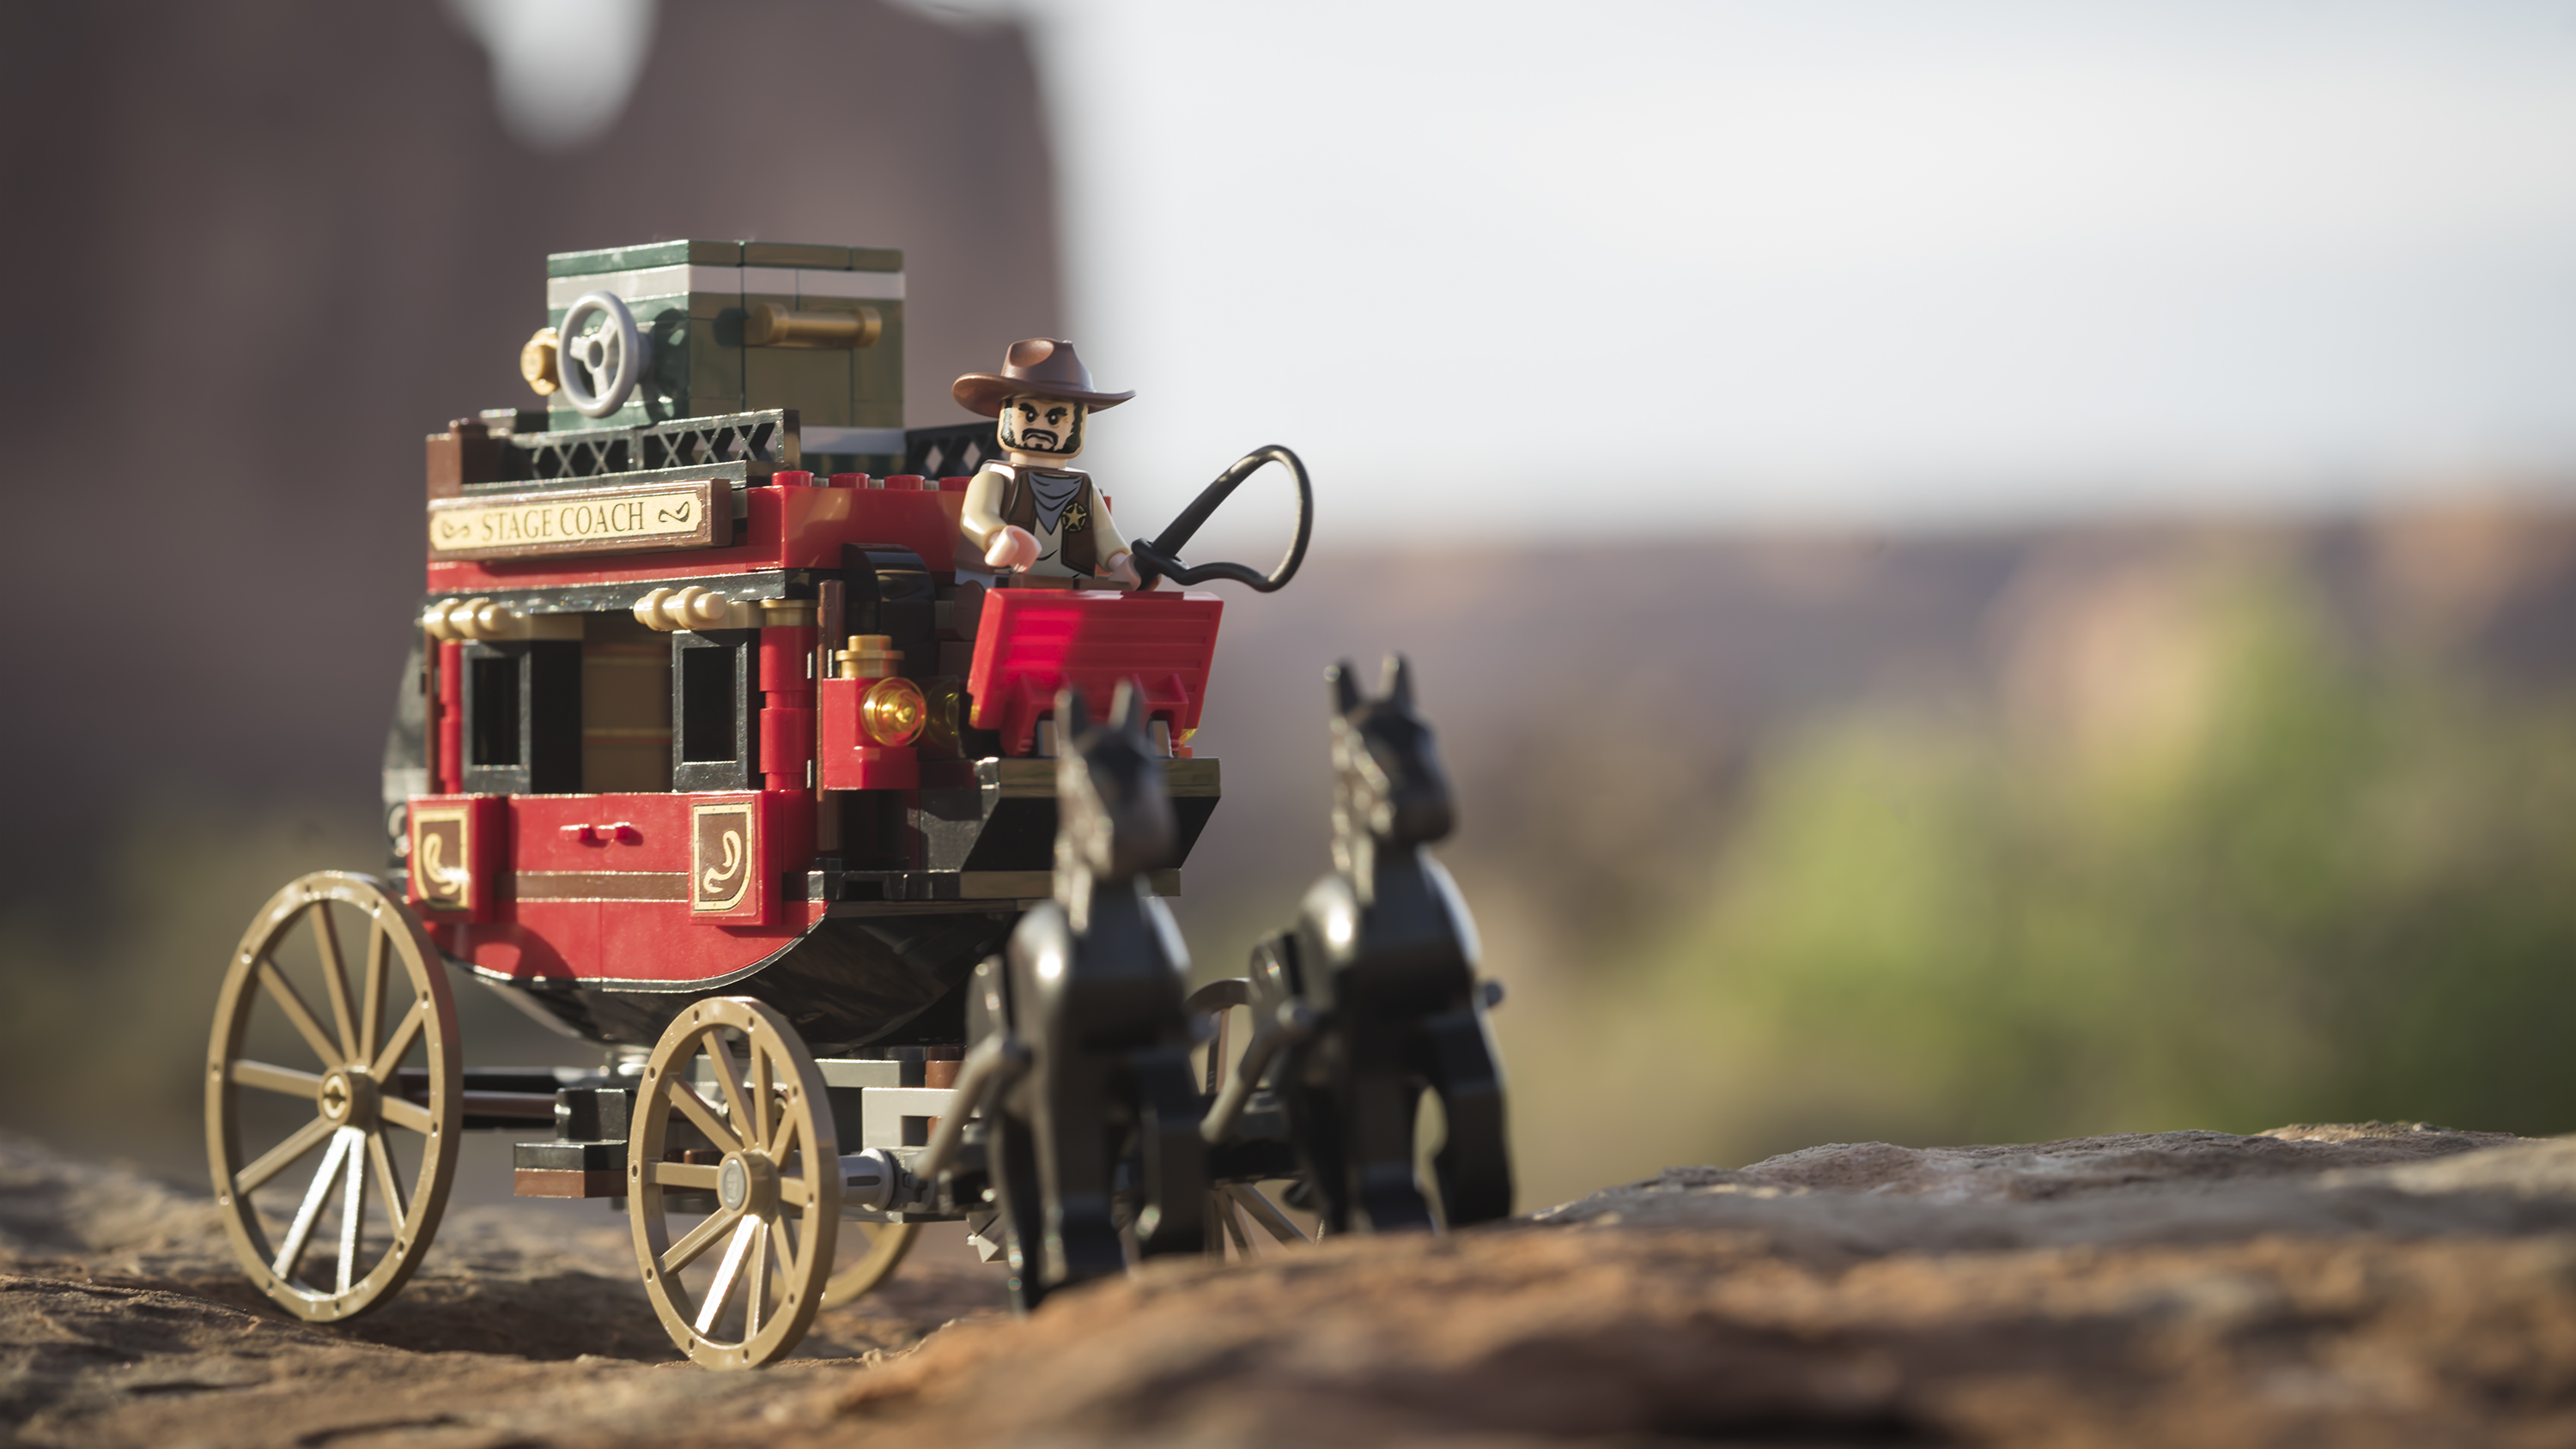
(2353, 1285)
(1870, 1199)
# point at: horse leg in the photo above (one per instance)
(1315, 1126)
(1378, 1101)
(1011, 1152)
(1474, 1166)
(1077, 1139)
(1172, 1186)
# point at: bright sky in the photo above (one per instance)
(1482, 264)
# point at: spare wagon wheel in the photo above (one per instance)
(599, 370)
(347, 1069)
(731, 1080)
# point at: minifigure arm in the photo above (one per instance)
(981, 518)
(1117, 561)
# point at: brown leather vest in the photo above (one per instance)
(1074, 548)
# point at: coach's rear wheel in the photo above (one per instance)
(733, 1137)
(882, 1248)
(1239, 1214)
(373, 1085)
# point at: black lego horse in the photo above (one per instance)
(1384, 959)
(1092, 987)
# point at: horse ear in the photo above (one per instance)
(1072, 715)
(1346, 691)
(1399, 683)
(1127, 707)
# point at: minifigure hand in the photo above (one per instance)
(1014, 548)
(1122, 569)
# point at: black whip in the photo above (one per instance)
(1160, 558)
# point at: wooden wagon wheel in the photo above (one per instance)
(384, 1090)
(733, 1128)
(1230, 1203)
(886, 1243)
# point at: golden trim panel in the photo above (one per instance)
(629, 518)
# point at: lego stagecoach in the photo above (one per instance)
(740, 740)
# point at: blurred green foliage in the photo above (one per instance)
(2208, 867)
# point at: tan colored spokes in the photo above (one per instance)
(382, 1065)
(1230, 1203)
(1263, 1211)
(771, 1198)
(695, 1244)
(275, 1159)
(335, 983)
(283, 992)
(356, 1098)
(746, 1231)
(685, 1097)
(286, 1081)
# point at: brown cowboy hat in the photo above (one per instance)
(1046, 367)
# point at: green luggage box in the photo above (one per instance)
(693, 298)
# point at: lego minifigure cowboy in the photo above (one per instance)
(1031, 514)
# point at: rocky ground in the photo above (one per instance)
(2346, 1285)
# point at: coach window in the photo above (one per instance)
(715, 746)
(522, 717)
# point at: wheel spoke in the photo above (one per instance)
(382, 1068)
(786, 1143)
(335, 977)
(388, 1183)
(729, 1080)
(1214, 1244)
(1233, 1222)
(286, 1081)
(275, 1159)
(756, 1283)
(1265, 1212)
(296, 1012)
(760, 1103)
(688, 1249)
(694, 1176)
(371, 1012)
(1216, 1054)
(291, 1253)
(404, 1112)
(788, 1249)
(793, 1192)
(717, 1292)
(353, 1207)
(695, 1108)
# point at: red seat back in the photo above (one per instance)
(1033, 642)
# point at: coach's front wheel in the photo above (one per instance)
(733, 1183)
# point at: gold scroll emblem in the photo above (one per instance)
(442, 858)
(724, 850)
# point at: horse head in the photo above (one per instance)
(1114, 821)
(1389, 792)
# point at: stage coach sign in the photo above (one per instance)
(625, 519)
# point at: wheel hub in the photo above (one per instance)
(348, 1097)
(747, 1182)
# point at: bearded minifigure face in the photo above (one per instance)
(1048, 426)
